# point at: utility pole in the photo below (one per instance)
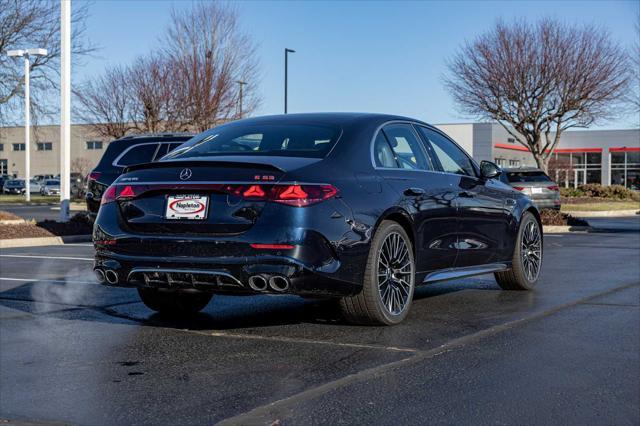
(65, 108)
(286, 71)
(241, 83)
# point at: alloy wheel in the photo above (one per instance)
(395, 274)
(531, 248)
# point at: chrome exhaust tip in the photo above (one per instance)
(111, 276)
(279, 283)
(99, 275)
(258, 283)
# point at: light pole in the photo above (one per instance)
(65, 108)
(286, 70)
(27, 112)
(241, 83)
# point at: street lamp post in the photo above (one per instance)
(286, 70)
(241, 83)
(27, 112)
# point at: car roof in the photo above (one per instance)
(521, 169)
(328, 118)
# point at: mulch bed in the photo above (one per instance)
(555, 218)
(78, 225)
(8, 216)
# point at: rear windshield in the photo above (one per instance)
(311, 141)
(519, 177)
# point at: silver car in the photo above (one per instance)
(50, 187)
(544, 192)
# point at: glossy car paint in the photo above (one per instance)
(455, 222)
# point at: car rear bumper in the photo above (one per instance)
(547, 203)
(276, 274)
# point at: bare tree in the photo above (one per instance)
(81, 165)
(634, 94)
(190, 85)
(538, 80)
(30, 24)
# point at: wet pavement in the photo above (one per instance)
(72, 351)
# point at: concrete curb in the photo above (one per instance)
(559, 229)
(605, 213)
(43, 241)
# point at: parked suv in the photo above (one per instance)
(535, 183)
(125, 152)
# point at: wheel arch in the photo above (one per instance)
(401, 217)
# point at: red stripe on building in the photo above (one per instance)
(557, 150)
(624, 149)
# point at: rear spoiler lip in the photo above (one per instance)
(200, 163)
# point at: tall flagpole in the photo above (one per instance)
(65, 108)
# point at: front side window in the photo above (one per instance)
(138, 154)
(451, 158)
(406, 147)
(299, 140)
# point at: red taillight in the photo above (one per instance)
(127, 192)
(302, 195)
(518, 188)
(94, 175)
(254, 191)
(272, 246)
(109, 195)
(553, 188)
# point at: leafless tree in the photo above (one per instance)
(538, 80)
(189, 85)
(81, 165)
(634, 93)
(29, 24)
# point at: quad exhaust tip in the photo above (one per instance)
(258, 283)
(279, 283)
(111, 276)
(99, 275)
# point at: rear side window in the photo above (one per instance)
(452, 158)
(301, 140)
(137, 154)
(533, 176)
(406, 147)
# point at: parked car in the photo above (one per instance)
(50, 187)
(41, 178)
(358, 207)
(34, 186)
(125, 152)
(535, 183)
(13, 186)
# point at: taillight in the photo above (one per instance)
(518, 188)
(109, 196)
(94, 176)
(254, 191)
(127, 192)
(302, 195)
(272, 246)
(553, 188)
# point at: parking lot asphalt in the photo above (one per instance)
(72, 351)
(35, 212)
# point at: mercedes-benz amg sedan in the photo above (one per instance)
(356, 207)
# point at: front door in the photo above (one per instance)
(483, 226)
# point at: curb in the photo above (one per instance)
(12, 222)
(43, 241)
(560, 229)
(605, 213)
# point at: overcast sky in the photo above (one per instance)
(352, 56)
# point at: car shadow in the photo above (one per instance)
(109, 305)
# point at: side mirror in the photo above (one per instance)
(489, 170)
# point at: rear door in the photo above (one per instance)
(426, 194)
(484, 215)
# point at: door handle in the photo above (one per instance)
(467, 194)
(413, 192)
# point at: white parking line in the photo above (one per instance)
(46, 280)
(29, 256)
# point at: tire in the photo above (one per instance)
(174, 303)
(519, 277)
(368, 307)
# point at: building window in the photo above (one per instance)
(625, 169)
(18, 146)
(94, 144)
(501, 161)
(514, 163)
(44, 146)
(511, 140)
(1, 147)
